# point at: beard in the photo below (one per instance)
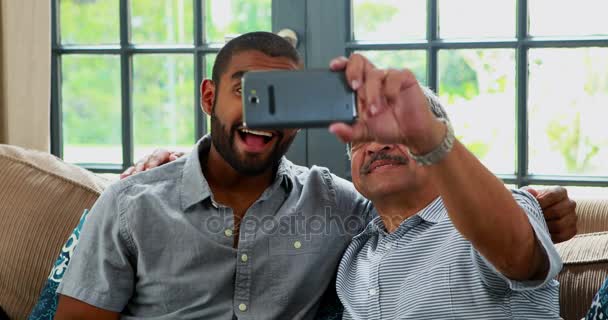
(223, 137)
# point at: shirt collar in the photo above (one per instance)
(434, 212)
(194, 186)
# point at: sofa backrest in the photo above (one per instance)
(41, 200)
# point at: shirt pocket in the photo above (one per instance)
(294, 245)
(419, 290)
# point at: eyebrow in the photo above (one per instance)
(237, 75)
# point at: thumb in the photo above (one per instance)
(343, 131)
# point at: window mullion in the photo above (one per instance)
(200, 125)
(431, 36)
(56, 112)
(126, 68)
(521, 86)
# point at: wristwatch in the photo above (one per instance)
(440, 151)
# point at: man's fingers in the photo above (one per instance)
(563, 229)
(561, 209)
(139, 166)
(396, 81)
(552, 195)
(338, 64)
(374, 81)
(127, 172)
(564, 236)
(357, 132)
(343, 131)
(532, 191)
(355, 71)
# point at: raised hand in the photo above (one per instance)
(392, 107)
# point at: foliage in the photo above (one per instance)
(575, 149)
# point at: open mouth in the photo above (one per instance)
(381, 164)
(255, 140)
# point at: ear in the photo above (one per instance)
(207, 96)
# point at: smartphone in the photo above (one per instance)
(296, 99)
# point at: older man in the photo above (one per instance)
(449, 241)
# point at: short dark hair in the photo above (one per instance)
(266, 42)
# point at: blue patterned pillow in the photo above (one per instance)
(599, 306)
(47, 303)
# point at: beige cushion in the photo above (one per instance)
(592, 215)
(41, 200)
(585, 260)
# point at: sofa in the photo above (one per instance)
(42, 199)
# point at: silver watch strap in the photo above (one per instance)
(440, 151)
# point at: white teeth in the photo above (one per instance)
(259, 133)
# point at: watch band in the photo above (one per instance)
(440, 151)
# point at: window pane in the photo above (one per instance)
(163, 103)
(568, 99)
(415, 60)
(162, 22)
(227, 18)
(89, 22)
(476, 18)
(91, 109)
(568, 18)
(478, 89)
(209, 61)
(389, 20)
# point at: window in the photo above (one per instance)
(525, 82)
(528, 99)
(126, 73)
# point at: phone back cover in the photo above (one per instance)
(311, 98)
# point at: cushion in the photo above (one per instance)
(41, 200)
(585, 260)
(599, 306)
(47, 303)
(592, 215)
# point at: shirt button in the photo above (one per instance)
(389, 246)
(228, 232)
(243, 307)
(372, 292)
(244, 257)
(297, 244)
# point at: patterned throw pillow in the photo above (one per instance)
(47, 303)
(599, 306)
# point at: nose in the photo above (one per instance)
(377, 147)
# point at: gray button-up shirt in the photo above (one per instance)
(157, 245)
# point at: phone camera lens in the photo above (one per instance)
(254, 99)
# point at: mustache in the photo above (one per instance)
(366, 168)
